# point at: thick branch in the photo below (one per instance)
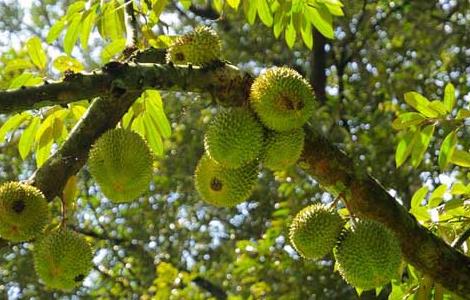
(318, 63)
(368, 199)
(219, 79)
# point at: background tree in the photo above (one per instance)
(171, 244)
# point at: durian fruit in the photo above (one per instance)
(282, 98)
(315, 230)
(283, 149)
(121, 163)
(234, 137)
(222, 186)
(24, 212)
(199, 47)
(368, 255)
(62, 259)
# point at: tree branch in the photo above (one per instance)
(215, 291)
(318, 63)
(219, 79)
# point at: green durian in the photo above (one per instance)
(234, 137)
(283, 149)
(121, 163)
(62, 259)
(368, 255)
(222, 186)
(315, 230)
(199, 47)
(24, 212)
(282, 98)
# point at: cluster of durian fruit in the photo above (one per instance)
(269, 133)
(120, 161)
(239, 140)
(367, 254)
(237, 143)
(62, 257)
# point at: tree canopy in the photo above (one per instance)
(388, 140)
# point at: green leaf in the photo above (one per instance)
(25, 79)
(127, 118)
(154, 107)
(12, 124)
(43, 151)
(290, 35)
(233, 4)
(280, 22)
(408, 119)
(421, 145)
(436, 197)
(447, 149)
(66, 63)
(460, 189)
(55, 30)
(87, 26)
(112, 49)
(75, 8)
(404, 147)
(334, 7)
(159, 6)
(249, 7)
(138, 125)
(438, 107)
(321, 19)
(72, 33)
(152, 136)
(265, 13)
(28, 137)
(418, 197)
(111, 23)
(449, 97)
(421, 214)
(36, 53)
(17, 64)
(420, 103)
(306, 32)
(461, 158)
(463, 114)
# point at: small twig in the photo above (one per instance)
(63, 212)
(461, 239)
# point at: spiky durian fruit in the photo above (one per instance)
(199, 47)
(23, 211)
(234, 137)
(121, 163)
(222, 186)
(368, 255)
(62, 259)
(282, 98)
(283, 149)
(315, 230)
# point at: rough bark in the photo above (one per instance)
(122, 83)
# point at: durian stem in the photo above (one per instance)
(63, 212)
